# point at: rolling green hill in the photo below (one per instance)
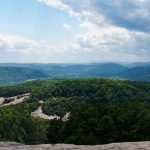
(13, 75)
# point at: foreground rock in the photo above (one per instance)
(115, 146)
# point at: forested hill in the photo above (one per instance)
(13, 75)
(16, 73)
(101, 111)
(137, 73)
(43, 89)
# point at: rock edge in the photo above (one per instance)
(114, 146)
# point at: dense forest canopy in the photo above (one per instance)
(101, 111)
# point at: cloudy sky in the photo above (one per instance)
(78, 31)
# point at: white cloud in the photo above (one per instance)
(13, 43)
(55, 4)
(116, 27)
(60, 5)
(114, 39)
(114, 30)
(130, 14)
(20, 49)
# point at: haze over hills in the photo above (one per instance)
(16, 73)
(139, 64)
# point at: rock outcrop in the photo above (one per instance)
(115, 146)
(13, 100)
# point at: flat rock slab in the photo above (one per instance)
(115, 146)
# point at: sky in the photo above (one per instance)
(74, 31)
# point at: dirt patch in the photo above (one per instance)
(39, 113)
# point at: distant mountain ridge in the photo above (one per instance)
(16, 73)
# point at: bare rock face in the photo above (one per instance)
(115, 146)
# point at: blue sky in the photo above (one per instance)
(61, 31)
(31, 19)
